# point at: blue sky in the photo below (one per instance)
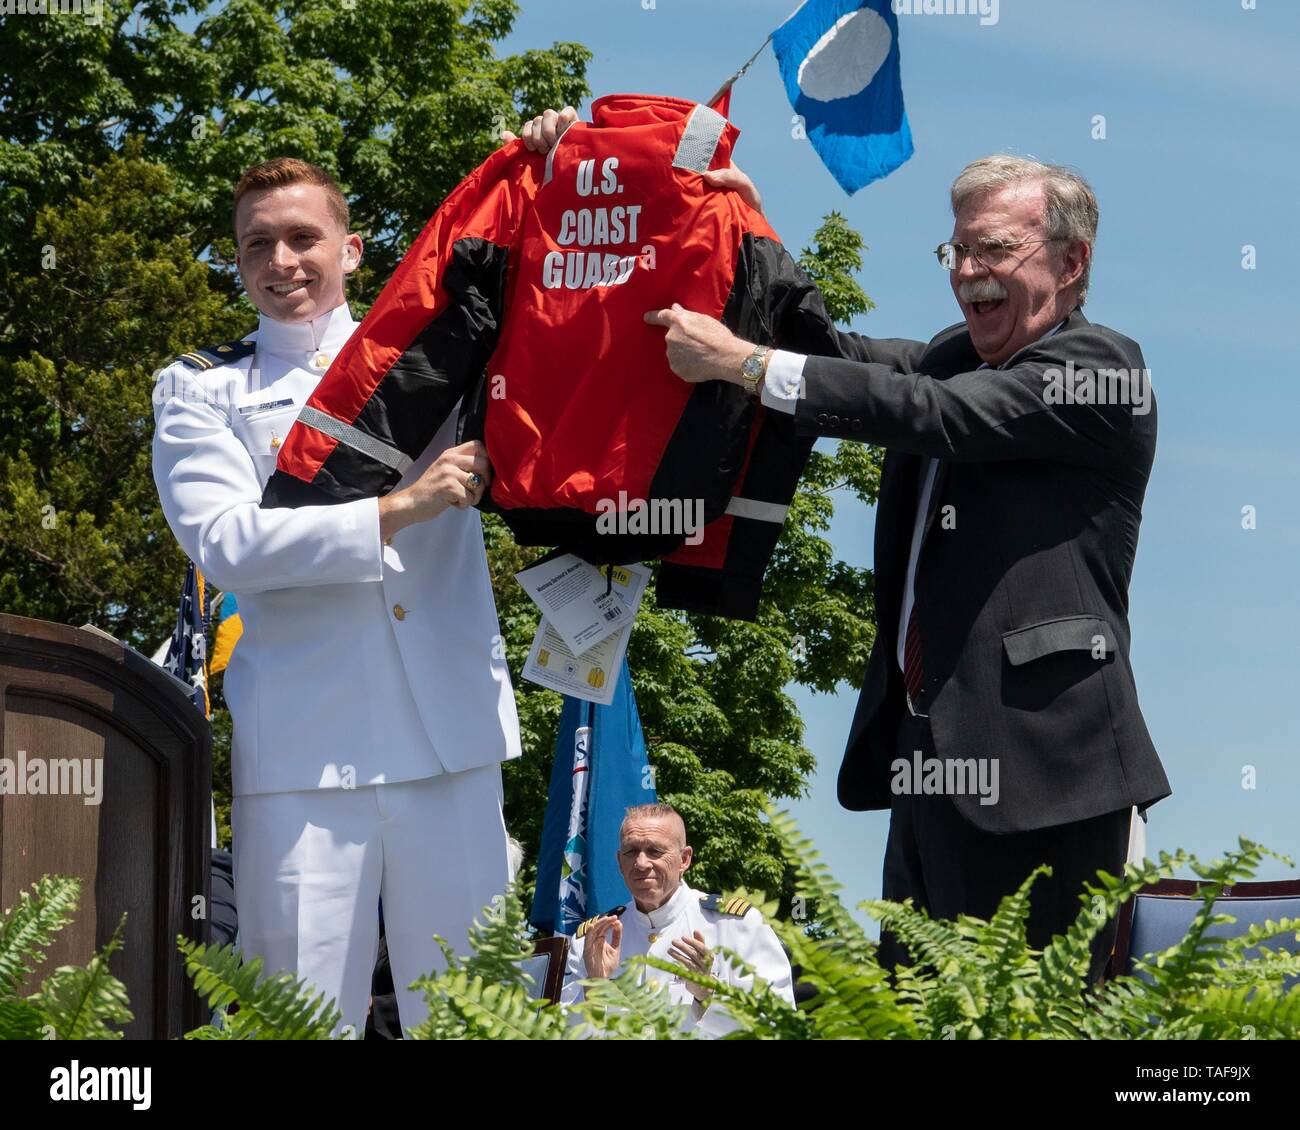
(1200, 158)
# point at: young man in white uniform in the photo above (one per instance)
(369, 692)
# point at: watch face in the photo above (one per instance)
(752, 366)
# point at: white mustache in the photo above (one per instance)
(981, 290)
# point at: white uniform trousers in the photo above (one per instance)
(311, 866)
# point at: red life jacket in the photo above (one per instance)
(524, 299)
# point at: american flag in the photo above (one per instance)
(187, 654)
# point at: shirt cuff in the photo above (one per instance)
(783, 385)
(369, 520)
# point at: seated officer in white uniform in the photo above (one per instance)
(369, 691)
(669, 920)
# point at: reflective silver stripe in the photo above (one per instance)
(355, 438)
(695, 149)
(759, 511)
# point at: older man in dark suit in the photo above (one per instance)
(998, 720)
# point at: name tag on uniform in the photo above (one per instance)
(249, 409)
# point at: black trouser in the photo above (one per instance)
(948, 866)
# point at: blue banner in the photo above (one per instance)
(600, 771)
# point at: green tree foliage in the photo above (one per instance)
(832, 263)
(397, 98)
(106, 286)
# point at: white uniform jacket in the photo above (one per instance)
(746, 933)
(360, 662)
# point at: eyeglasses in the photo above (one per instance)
(988, 252)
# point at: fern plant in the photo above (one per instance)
(487, 995)
(280, 1007)
(73, 1003)
(971, 979)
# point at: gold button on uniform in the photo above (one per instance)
(399, 611)
(321, 360)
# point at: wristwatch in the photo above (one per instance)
(754, 368)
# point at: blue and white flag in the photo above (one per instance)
(840, 63)
(600, 771)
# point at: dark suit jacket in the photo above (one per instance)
(1017, 587)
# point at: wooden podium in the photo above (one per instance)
(72, 695)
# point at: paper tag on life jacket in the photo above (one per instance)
(592, 676)
(583, 604)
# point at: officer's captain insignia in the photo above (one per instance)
(223, 354)
(736, 906)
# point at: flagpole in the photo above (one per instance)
(726, 86)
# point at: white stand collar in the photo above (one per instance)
(662, 917)
(325, 334)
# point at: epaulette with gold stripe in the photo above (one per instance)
(735, 906)
(224, 354)
(582, 929)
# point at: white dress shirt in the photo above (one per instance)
(361, 662)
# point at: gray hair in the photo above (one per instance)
(652, 812)
(1072, 211)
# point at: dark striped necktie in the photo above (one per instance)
(913, 673)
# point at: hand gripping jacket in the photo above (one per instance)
(524, 299)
